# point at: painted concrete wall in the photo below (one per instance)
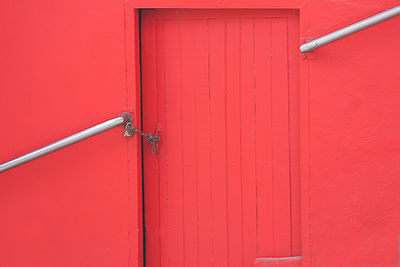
(63, 70)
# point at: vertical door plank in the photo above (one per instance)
(280, 117)
(234, 181)
(189, 136)
(216, 31)
(174, 171)
(248, 152)
(264, 175)
(163, 146)
(150, 168)
(294, 109)
(205, 245)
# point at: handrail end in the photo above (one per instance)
(303, 48)
(308, 47)
(127, 117)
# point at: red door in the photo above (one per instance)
(222, 86)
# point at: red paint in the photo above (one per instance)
(217, 83)
(73, 64)
(278, 262)
(63, 69)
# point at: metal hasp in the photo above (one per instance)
(124, 119)
(356, 27)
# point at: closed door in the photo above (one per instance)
(222, 88)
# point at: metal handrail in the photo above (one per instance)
(123, 119)
(353, 28)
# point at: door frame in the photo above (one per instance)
(133, 87)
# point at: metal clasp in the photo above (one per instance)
(130, 130)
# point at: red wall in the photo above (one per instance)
(355, 141)
(63, 68)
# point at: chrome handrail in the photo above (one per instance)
(123, 119)
(353, 28)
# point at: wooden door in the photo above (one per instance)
(221, 85)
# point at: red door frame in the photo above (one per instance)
(131, 13)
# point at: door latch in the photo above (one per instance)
(130, 130)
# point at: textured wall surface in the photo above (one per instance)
(62, 70)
